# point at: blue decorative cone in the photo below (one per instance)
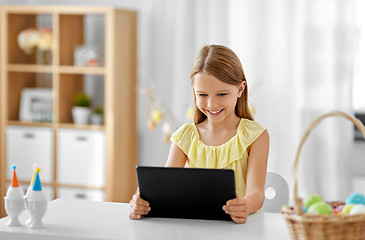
(37, 183)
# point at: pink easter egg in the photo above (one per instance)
(339, 208)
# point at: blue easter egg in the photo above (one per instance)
(304, 209)
(355, 198)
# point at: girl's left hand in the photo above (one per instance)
(238, 209)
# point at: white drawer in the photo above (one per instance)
(81, 157)
(78, 193)
(26, 146)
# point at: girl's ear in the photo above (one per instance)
(241, 88)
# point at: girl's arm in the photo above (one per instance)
(256, 172)
(240, 208)
(177, 157)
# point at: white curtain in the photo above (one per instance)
(299, 54)
(298, 59)
(171, 33)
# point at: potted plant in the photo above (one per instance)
(81, 111)
(97, 116)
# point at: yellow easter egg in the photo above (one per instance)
(346, 209)
(191, 113)
(157, 116)
(252, 109)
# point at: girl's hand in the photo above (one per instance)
(238, 209)
(138, 207)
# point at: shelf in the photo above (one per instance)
(81, 70)
(78, 126)
(80, 186)
(30, 68)
(61, 125)
(29, 124)
(59, 9)
(61, 69)
(24, 182)
(111, 84)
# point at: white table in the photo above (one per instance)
(78, 219)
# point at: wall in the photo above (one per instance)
(358, 167)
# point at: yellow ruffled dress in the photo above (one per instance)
(230, 155)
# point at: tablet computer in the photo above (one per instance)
(193, 193)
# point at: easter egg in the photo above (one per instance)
(252, 109)
(157, 116)
(338, 209)
(358, 209)
(346, 209)
(355, 198)
(166, 128)
(321, 208)
(166, 138)
(14, 193)
(311, 199)
(304, 209)
(151, 125)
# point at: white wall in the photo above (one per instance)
(13, 2)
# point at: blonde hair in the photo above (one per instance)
(222, 63)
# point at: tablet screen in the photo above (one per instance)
(193, 193)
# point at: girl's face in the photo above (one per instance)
(216, 99)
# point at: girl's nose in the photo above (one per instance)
(211, 102)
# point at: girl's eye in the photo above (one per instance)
(202, 95)
(222, 94)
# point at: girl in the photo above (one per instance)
(224, 134)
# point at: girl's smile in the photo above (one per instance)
(215, 112)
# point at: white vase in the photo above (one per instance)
(37, 210)
(96, 119)
(14, 207)
(81, 115)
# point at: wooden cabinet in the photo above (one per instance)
(117, 71)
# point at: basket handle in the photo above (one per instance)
(353, 119)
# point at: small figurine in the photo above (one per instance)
(14, 201)
(28, 40)
(45, 39)
(36, 203)
(86, 55)
(36, 169)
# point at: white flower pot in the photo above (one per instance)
(96, 119)
(81, 115)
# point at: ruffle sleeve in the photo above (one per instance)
(185, 138)
(204, 156)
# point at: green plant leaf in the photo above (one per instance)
(82, 100)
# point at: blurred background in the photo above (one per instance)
(302, 58)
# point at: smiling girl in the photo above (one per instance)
(224, 134)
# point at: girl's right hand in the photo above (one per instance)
(138, 207)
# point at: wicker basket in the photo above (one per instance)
(304, 226)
